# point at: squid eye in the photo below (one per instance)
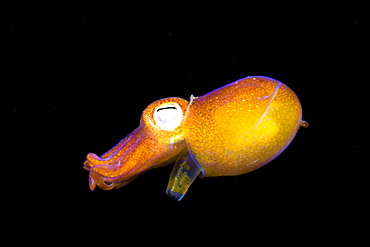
(168, 116)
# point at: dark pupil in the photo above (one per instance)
(168, 107)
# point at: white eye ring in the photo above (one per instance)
(168, 116)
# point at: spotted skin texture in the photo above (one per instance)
(145, 148)
(242, 126)
(230, 131)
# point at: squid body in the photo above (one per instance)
(230, 131)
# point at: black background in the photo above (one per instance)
(77, 75)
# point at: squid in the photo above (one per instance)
(230, 131)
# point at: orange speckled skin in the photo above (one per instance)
(145, 148)
(229, 131)
(242, 126)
